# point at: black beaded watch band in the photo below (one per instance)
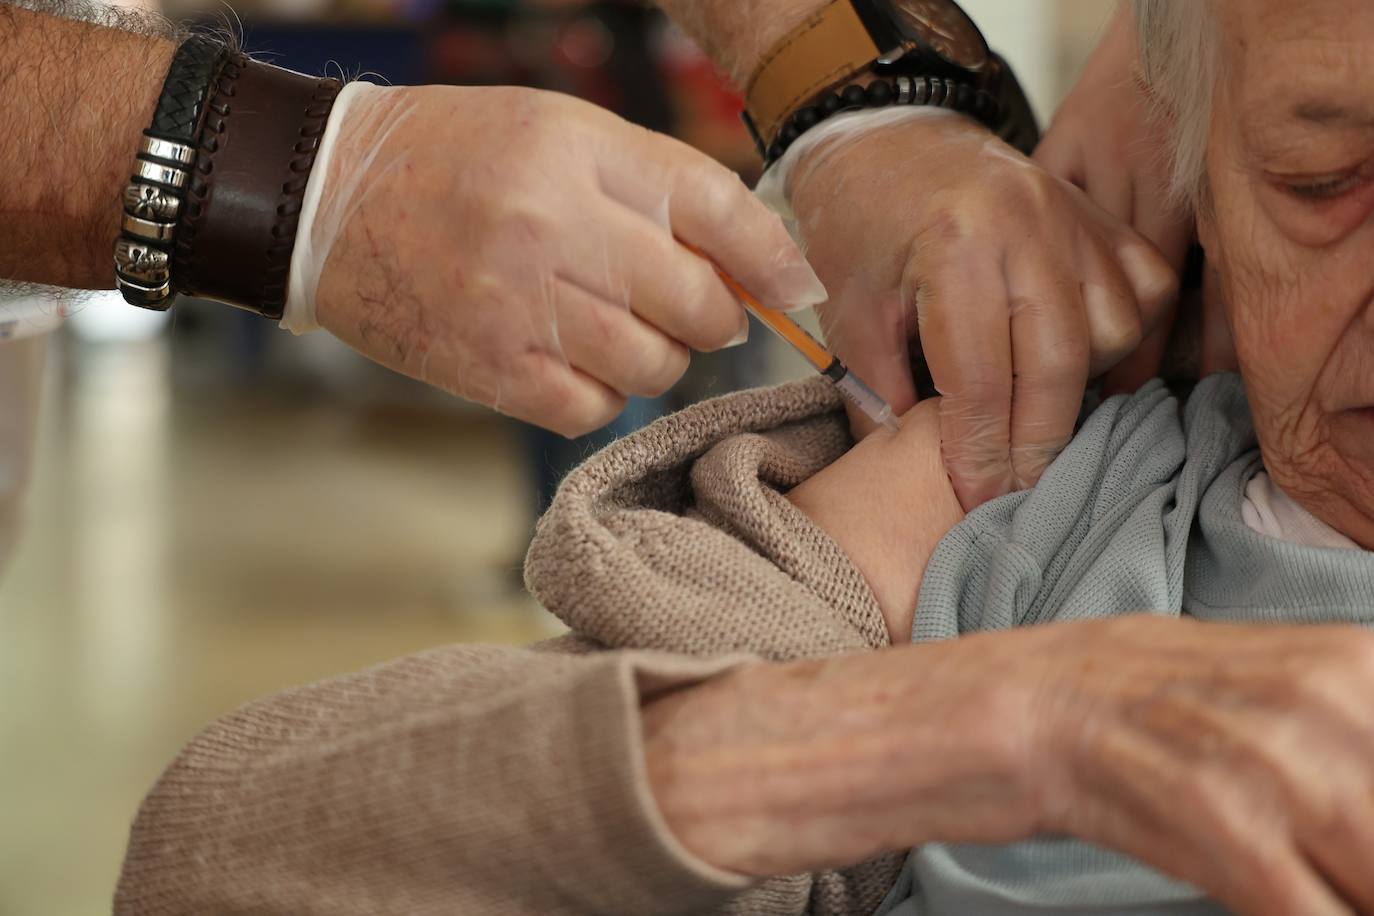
(927, 91)
(994, 98)
(156, 193)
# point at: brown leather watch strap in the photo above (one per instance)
(263, 126)
(829, 47)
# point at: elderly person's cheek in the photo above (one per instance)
(1282, 304)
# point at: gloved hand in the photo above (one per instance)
(1104, 140)
(520, 248)
(920, 222)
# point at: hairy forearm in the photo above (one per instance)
(737, 33)
(75, 93)
(781, 769)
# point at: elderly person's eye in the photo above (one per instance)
(1326, 188)
(1317, 208)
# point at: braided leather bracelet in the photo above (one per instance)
(155, 193)
(214, 202)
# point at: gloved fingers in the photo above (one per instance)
(961, 304)
(542, 389)
(628, 259)
(1050, 331)
(613, 346)
(1114, 321)
(1153, 281)
(1160, 222)
(710, 207)
(519, 377)
(1145, 363)
(872, 337)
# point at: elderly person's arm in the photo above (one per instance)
(706, 779)
(469, 779)
(1196, 748)
(887, 502)
(486, 780)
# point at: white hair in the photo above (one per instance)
(1179, 64)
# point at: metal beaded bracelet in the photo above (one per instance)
(156, 191)
(902, 90)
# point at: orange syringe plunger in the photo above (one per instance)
(850, 385)
(786, 328)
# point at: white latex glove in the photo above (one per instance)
(521, 249)
(924, 226)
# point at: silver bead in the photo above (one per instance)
(151, 202)
(148, 229)
(920, 93)
(951, 92)
(151, 171)
(171, 151)
(142, 263)
(903, 90)
(157, 296)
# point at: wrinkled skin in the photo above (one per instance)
(1234, 757)
(521, 249)
(1291, 228)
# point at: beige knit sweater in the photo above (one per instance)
(473, 779)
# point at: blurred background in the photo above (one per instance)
(218, 509)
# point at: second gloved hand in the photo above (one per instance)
(1019, 289)
(521, 249)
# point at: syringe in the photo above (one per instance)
(853, 388)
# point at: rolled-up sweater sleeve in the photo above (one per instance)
(467, 779)
(481, 780)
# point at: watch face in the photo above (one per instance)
(944, 29)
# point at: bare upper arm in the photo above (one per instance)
(887, 503)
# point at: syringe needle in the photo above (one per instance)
(857, 392)
(850, 385)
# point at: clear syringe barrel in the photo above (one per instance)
(856, 392)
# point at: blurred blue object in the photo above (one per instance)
(396, 53)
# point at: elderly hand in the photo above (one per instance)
(1020, 288)
(520, 248)
(1238, 758)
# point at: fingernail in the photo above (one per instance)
(799, 288)
(739, 339)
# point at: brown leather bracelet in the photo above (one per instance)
(263, 126)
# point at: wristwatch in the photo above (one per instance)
(846, 38)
